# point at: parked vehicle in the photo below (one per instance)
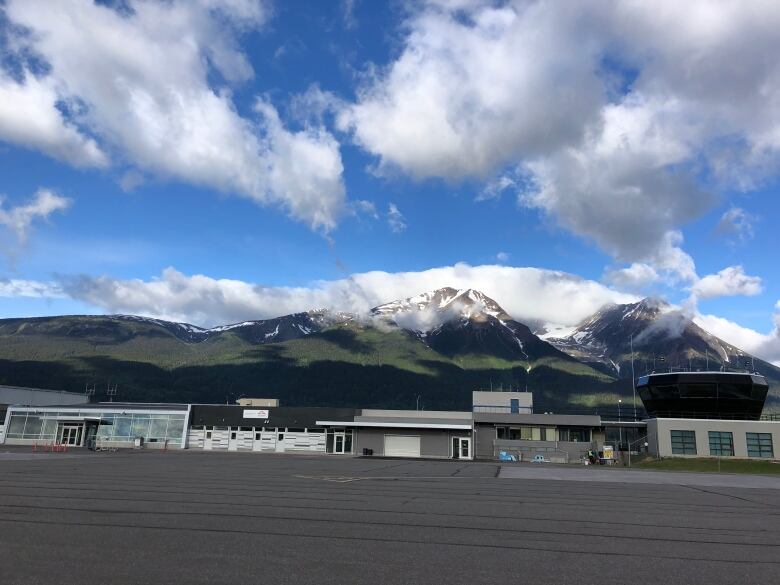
(540, 459)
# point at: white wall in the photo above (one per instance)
(660, 436)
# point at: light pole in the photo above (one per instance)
(620, 402)
(418, 402)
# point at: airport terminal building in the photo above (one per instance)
(701, 414)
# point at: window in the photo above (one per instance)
(579, 435)
(721, 444)
(514, 405)
(759, 445)
(684, 442)
(258, 436)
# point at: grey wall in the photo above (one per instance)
(488, 445)
(659, 436)
(38, 397)
(434, 443)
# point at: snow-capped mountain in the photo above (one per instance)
(261, 331)
(454, 321)
(447, 303)
(662, 336)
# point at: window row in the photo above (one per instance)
(112, 427)
(721, 444)
(527, 433)
(266, 429)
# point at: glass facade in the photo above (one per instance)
(721, 444)
(115, 426)
(759, 445)
(683, 442)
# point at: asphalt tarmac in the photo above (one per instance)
(194, 517)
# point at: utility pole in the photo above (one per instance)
(633, 376)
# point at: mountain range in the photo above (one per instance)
(438, 345)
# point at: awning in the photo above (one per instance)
(392, 425)
(79, 419)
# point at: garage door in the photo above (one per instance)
(402, 446)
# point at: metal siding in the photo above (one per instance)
(437, 443)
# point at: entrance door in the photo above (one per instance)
(279, 441)
(461, 448)
(233, 440)
(339, 443)
(208, 440)
(71, 435)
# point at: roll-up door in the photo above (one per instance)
(402, 446)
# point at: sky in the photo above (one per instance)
(214, 161)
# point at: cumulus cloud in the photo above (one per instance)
(621, 114)
(20, 218)
(475, 87)
(151, 84)
(29, 116)
(502, 257)
(638, 277)
(731, 281)
(526, 293)
(395, 219)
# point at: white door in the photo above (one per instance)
(280, 441)
(71, 435)
(402, 446)
(233, 440)
(338, 443)
(461, 448)
(208, 440)
(257, 444)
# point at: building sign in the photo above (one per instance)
(255, 413)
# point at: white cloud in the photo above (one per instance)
(621, 113)
(502, 257)
(19, 219)
(637, 277)
(472, 90)
(731, 281)
(763, 345)
(526, 293)
(153, 85)
(15, 288)
(367, 208)
(395, 219)
(29, 117)
(736, 223)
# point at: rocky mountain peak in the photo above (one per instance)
(430, 309)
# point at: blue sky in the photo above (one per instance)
(255, 149)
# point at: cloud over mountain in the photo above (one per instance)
(527, 293)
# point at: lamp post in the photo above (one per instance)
(620, 402)
(418, 402)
